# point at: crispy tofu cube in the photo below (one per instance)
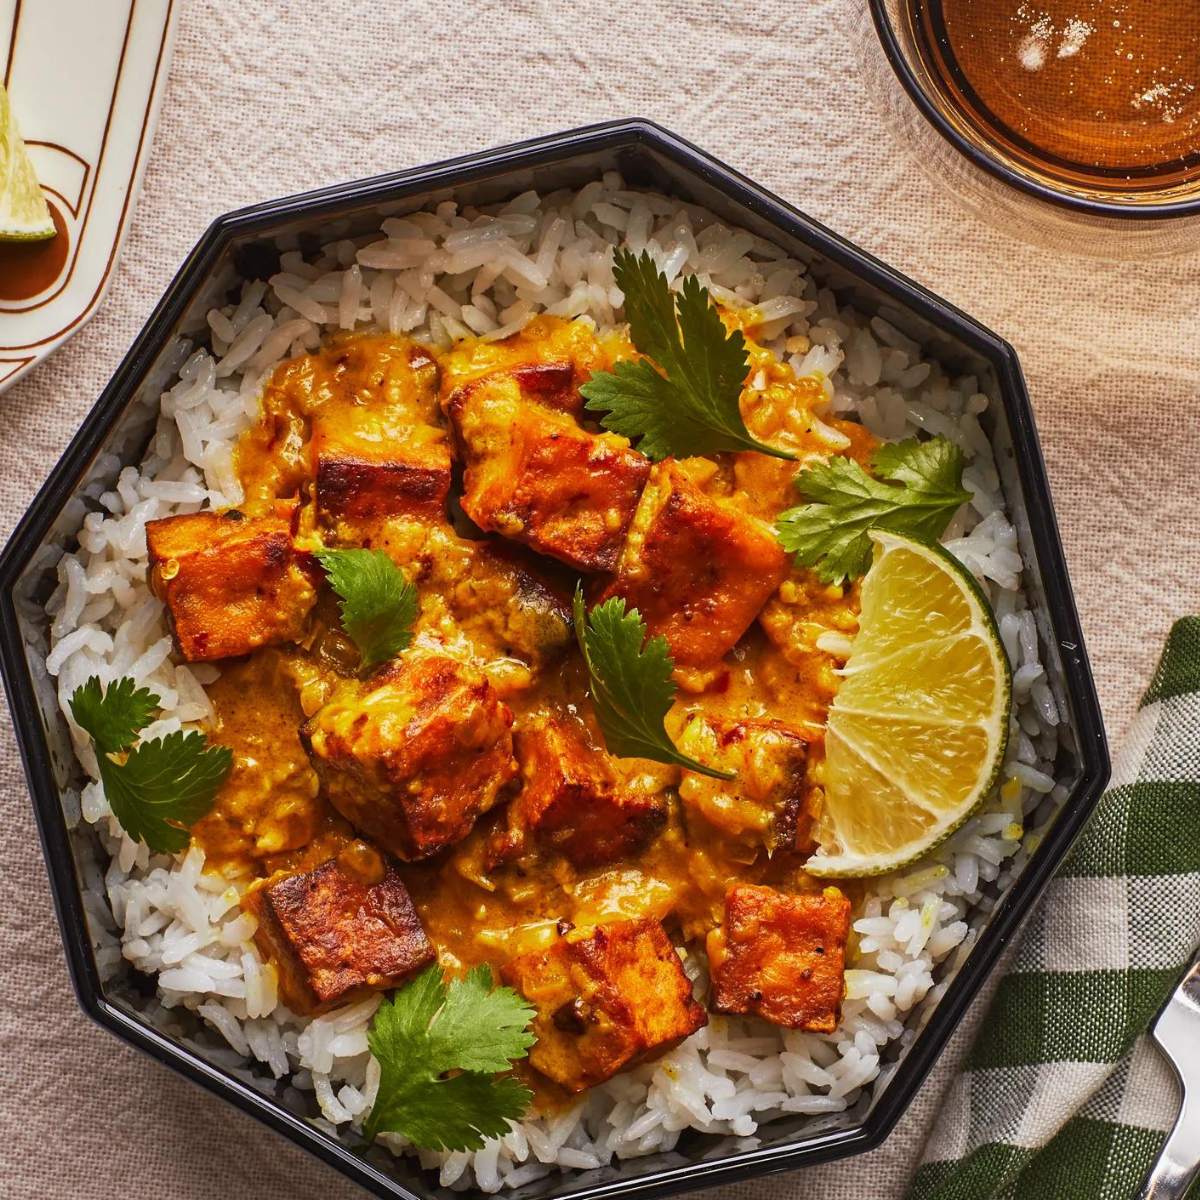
(369, 388)
(696, 567)
(415, 754)
(781, 957)
(231, 583)
(337, 932)
(377, 449)
(368, 471)
(534, 475)
(770, 801)
(550, 357)
(570, 802)
(605, 997)
(553, 384)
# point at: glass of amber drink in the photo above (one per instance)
(1058, 118)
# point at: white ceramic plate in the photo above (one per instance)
(86, 79)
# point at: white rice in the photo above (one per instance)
(439, 276)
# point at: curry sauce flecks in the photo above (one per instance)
(459, 800)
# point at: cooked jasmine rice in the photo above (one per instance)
(443, 275)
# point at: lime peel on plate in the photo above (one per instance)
(24, 213)
(917, 732)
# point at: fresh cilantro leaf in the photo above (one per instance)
(378, 604)
(685, 401)
(460, 1112)
(428, 1029)
(830, 534)
(114, 717)
(164, 785)
(630, 683)
(481, 1028)
(933, 467)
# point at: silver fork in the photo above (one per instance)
(1176, 1030)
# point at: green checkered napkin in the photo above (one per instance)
(1063, 1097)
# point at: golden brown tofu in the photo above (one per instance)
(570, 802)
(696, 567)
(605, 997)
(551, 357)
(339, 931)
(534, 475)
(415, 754)
(367, 470)
(382, 386)
(552, 384)
(231, 583)
(770, 801)
(781, 957)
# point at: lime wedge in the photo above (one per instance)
(918, 728)
(24, 213)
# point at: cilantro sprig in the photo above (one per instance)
(683, 398)
(378, 603)
(629, 678)
(830, 534)
(440, 1050)
(160, 788)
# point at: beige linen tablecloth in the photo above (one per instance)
(267, 99)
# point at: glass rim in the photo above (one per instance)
(994, 166)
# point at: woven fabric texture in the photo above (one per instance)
(1063, 1095)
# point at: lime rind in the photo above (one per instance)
(983, 626)
(24, 213)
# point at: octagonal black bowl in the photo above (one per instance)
(242, 244)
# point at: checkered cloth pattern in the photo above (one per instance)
(1063, 1096)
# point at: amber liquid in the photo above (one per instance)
(1095, 93)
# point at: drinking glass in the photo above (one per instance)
(1008, 190)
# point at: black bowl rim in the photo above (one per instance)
(606, 136)
(1170, 210)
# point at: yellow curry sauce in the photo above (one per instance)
(270, 816)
